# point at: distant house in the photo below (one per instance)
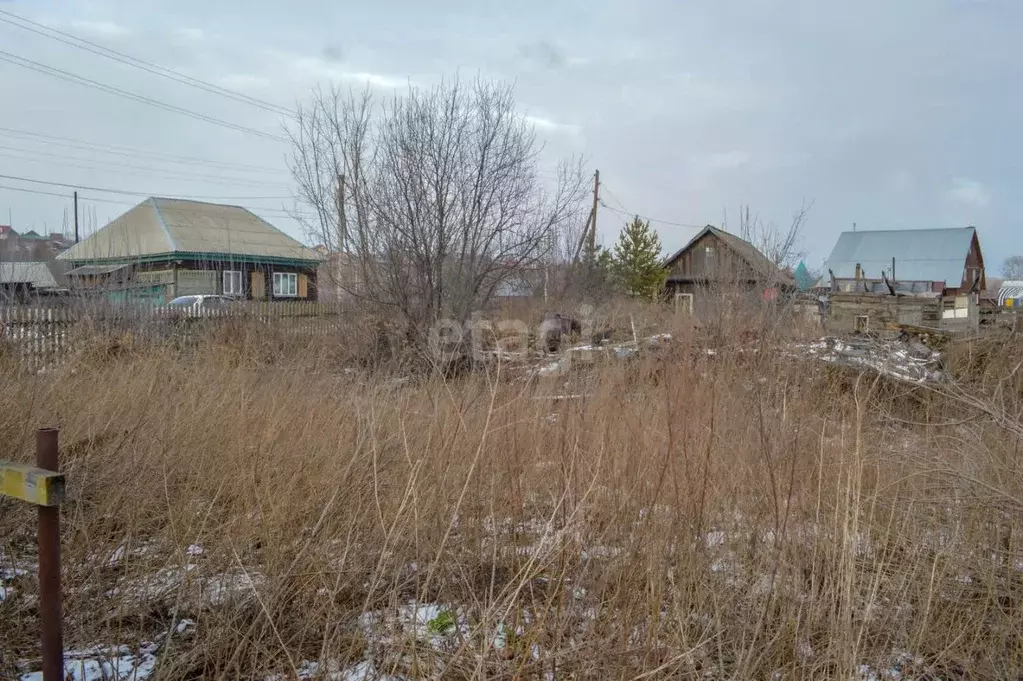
(946, 261)
(30, 246)
(715, 261)
(164, 248)
(922, 277)
(23, 281)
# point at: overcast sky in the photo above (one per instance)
(887, 113)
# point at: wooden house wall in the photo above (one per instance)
(166, 280)
(881, 310)
(974, 262)
(697, 264)
(257, 278)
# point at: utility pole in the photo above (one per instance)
(342, 226)
(76, 217)
(593, 215)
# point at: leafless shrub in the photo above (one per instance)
(441, 200)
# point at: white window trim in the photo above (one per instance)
(278, 284)
(228, 276)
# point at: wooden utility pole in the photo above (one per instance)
(76, 217)
(342, 226)
(593, 215)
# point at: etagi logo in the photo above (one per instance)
(483, 338)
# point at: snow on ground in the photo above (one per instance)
(909, 362)
(105, 663)
(332, 671)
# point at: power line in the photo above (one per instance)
(64, 196)
(272, 212)
(615, 199)
(648, 218)
(131, 170)
(96, 48)
(128, 193)
(110, 89)
(132, 152)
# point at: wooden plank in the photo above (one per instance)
(34, 485)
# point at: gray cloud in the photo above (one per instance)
(332, 53)
(543, 53)
(888, 114)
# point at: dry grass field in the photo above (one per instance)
(257, 509)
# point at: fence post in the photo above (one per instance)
(49, 564)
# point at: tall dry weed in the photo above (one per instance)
(735, 514)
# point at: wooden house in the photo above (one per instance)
(165, 248)
(932, 278)
(716, 263)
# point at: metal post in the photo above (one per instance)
(49, 565)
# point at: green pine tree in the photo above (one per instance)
(636, 262)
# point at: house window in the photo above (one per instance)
(285, 284)
(862, 323)
(232, 283)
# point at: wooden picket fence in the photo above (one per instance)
(42, 335)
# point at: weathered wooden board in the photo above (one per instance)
(34, 485)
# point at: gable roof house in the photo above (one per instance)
(945, 261)
(715, 259)
(164, 248)
(891, 278)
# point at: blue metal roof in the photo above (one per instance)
(920, 254)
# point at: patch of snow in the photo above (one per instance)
(6, 592)
(195, 550)
(153, 586)
(228, 586)
(7, 574)
(184, 626)
(601, 552)
(552, 368)
(332, 671)
(715, 538)
(105, 663)
(415, 619)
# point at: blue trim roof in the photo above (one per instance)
(920, 254)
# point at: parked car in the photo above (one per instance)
(201, 305)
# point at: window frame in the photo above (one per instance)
(278, 284)
(230, 274)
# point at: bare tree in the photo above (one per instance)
(1012, 268)
(441, 200)
(780, 246)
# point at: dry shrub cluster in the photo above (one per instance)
(738, 515)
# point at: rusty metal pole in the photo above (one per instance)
(49, 565)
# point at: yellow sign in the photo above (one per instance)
(34, 485)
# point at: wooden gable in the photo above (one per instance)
(713, 257)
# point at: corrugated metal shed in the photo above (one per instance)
(1011, 291)
(920, 254)
(39, 275)
(158, 227)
